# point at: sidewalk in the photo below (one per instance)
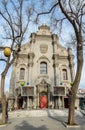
(53, 121)
(42, 123)
(83, 112)
(40, 113)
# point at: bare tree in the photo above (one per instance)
(15, 17)
(73, 12)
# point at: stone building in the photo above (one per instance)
(0, 90)
(42, 72)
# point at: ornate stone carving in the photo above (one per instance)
(30, 57)
(43, 48)
(33, 37)
(55, 38)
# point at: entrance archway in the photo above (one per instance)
(43, 94)
(43, 100)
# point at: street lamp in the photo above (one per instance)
(7, 51)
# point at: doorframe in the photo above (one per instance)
(38, 91)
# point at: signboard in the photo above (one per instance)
(59, 91)
(27, 91)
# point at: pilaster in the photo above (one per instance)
(71, 63)
(30, 65)
(55, 56)
(33, 37)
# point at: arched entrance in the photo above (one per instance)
(43, 100)
(43, 95)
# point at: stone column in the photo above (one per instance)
(30, 74)
(31, 102)
(55, 56)
(56, 102)
(62, 101)
(30, 64)
(48, 90)
(54, 40)
(33, 37)
(37, 97)
(71, 63)
(59, 102)
(28, 102)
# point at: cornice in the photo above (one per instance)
(23, 55)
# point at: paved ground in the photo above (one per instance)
(43, 112)
(43, 122)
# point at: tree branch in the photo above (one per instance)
(65, 13)
(72, 21)
(9, 23)
(1, 59)
(47, 12)
(3, 47)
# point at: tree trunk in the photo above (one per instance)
(73, 92)
(72, 95)
(72, 99)
(3, 99)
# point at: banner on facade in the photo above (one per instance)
(27, 91)
(59, 91)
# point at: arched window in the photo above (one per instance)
(22, 73)
(43, 68)
(65, 77)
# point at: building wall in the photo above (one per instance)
(40, 57)
(0, 89)
(43, 47)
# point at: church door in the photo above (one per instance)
(43, 100)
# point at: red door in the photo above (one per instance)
(43, 101)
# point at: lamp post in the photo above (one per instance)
(7, 51)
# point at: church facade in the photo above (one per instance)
(42, 73)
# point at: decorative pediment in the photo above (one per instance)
(43, 82)
(44, 30)
(44, 58)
